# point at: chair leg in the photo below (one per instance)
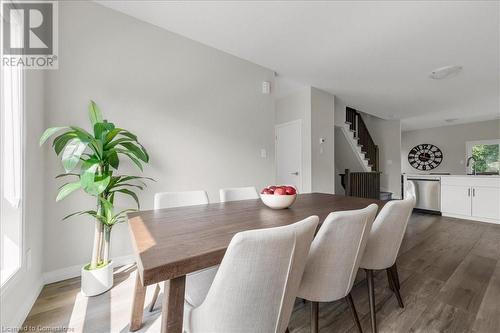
(314, 317)
(371, 299)
(155, 298)
(388, 271)
(394, 287)
(349, 301)
(395, 273)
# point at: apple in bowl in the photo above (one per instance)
(278, 197)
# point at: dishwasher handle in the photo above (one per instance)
(424, 180)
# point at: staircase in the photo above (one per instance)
(365, 183)
(366, 148)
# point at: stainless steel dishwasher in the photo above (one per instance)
(428, 192)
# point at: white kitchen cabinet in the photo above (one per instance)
(471, 197)
(456, 199)
(486, 202)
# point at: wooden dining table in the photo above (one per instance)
(170, 243)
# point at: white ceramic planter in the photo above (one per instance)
(97, 281)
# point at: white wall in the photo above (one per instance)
(315, 108)
(19, 294)
(294, 106)
(340, 106)
(199, 112)
(387, 136)
(322, 155)
(451, 140)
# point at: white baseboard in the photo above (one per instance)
(471, 218)
(75, 271)
(25, 308)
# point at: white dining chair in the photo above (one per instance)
(255, 287)
(197, 283)
(334, 259)
(410, 191)
(180, 199)
(383, 246)
(238, 193)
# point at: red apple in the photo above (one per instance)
(280, 191)
(290, 190)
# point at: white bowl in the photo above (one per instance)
(278, 201)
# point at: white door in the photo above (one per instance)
(456, 200)
(289, 154)
(485, 202)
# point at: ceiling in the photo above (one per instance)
(374, 55)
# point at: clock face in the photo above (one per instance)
(425, 157)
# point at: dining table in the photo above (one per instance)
(170, 243)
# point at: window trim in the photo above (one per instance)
(15, 275)
(470, 144)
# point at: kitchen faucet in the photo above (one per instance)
(474, 167)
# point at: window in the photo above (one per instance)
(11, 168)
(486, 156)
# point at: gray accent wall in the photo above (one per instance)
(451, 140)
(200, 112)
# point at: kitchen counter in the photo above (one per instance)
(471, 197)
(417, 175)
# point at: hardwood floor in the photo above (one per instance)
(450, 282)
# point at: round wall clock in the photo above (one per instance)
(425, 157)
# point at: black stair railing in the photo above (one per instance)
(361, 184)
(365, 140)
(350, 117)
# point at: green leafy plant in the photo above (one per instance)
(96, 156)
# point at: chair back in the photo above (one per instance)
(255, 287)
(410, 191)
(180, 199)
(335, 255)
(387, 234)
(238, 193)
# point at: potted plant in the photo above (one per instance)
(93, 159)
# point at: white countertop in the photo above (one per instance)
(427, 176)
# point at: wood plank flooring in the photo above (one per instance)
(450, 282)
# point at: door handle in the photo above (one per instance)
(473, 192)
(296, 173)
(468, 192)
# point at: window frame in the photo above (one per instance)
(13, 275)
(470, 144)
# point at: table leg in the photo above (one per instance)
(173, 305)
(137, 305)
